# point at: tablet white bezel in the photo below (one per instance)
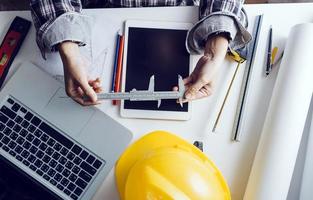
(152, 114)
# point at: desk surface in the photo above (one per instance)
(233, 159)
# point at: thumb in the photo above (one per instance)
(193, 89)
(89, 92)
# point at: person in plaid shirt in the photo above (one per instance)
(222, 25)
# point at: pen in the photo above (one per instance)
(115, 64)
(269, 53)
(119, 65)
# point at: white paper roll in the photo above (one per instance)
(276, 154)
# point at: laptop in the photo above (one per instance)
(51, 147)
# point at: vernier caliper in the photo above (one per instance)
(148, 95)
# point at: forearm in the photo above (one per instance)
(216, 47)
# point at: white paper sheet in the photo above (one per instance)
(282, 131)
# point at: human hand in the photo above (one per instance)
(77, 84)
(200, 83)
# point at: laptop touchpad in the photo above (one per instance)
(66, 114)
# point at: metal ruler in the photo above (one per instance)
(147, 95)
(238, 123)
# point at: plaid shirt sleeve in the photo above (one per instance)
(219, 16)
(51, 16)
(216, 16)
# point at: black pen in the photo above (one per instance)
(269, 53)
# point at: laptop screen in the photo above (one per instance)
(15, 184)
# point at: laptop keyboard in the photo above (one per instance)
(61, 161)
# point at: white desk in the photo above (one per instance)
(233, 159)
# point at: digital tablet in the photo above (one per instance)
(155, 48)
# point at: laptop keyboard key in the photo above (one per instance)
(7, 131)
(31, 158)
(88, 168)
(59, 168)
(23, 110)
(90, 159)
(64, 151)
(2, 126)
(67, 192)
(31, 128)
(28, 116)
(60, 187)
(66, 172)
(46, 159)
(25, 162)
(17, 128)
(43, 146)
(63, 160)
(69, 165)
(25, 124)
(65, 182)
(3, 118)
(49, 151)
(56, 155)
(18, 149)
(10, 101)
(70, 156)
(57, 147)
(19, 158)
(38, 163)
(58, 177)
(81, 183)
(39, 172)
(36, 142)
(8, 112)
(53, 163)
(12, 153)
(10, 123)
(75, 169)
(13, 136)
(77, 160)
(44, 137)
(51, 172)
(38, 133)
(26, 145)
(85, 176)
(78, 191)
(73, 177)
(51, 142)
(5, 148)
(20, 140)
(53, 182)
(76, 149)
(44, 168)
(46, 177)
(32, 167)
(71, 187)
(30, 137)
(5, 140)
(39, 154)
(16, 107)
(35, 121)
(23, 133)
(73, 196)
(12, 144)
(18, 119)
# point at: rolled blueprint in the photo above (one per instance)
(276, 154)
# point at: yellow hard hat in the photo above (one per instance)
(162, 166)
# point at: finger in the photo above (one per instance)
(187, 79)
(175, 88)
(194, 88)
(85, 103)
(89, 92)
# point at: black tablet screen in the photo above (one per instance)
(158, 52)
